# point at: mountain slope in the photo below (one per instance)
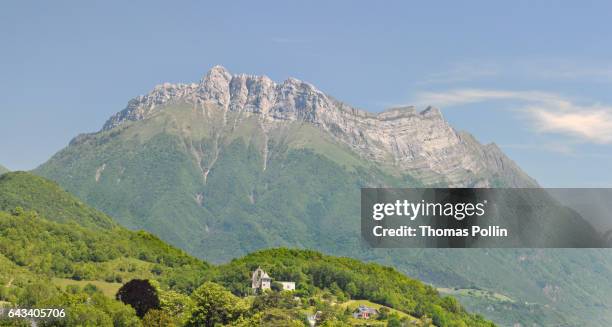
(56, 235)
(25, 190)
(3, 170)
(238, 163)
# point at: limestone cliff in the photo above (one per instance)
(421, 143)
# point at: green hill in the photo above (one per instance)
(21, 189)
(59, 262)
(57, 252)
(50, 232)
(343, 279)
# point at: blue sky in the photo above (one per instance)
(532, 76)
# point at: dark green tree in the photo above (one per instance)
(140, 294)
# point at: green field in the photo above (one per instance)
(109, 289)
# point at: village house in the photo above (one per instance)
(364, 312)
(262, 281)
(288, 286)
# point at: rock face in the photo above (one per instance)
(421, 143)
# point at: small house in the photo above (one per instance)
(288, 286)
(262, 281)
(364, 312)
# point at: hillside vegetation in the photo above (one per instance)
(21, 189)
(51, 233)
(342, 279)
(47, 262)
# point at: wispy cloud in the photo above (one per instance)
(548, 112)
(593, 123)
(465, 96)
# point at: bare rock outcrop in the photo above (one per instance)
(421, 144)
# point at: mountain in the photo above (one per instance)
(182, 158)
(404, 141)
(3, 170)
(237, 163)
(50, 257)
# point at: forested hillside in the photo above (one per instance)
(25, 190)
(342, 279)
(57, 252)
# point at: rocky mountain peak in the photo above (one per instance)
(218, 70)
(292, 100)
(421, 142)
(216, 78)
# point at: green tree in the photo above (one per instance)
(394, 321)
(87, 316)
(214, 305)
(383, 313)
(267, 300)
(140, 294)
(157, 318)
(35, 293)
(179, 306)
(276, 286)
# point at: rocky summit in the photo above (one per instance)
(420, 143)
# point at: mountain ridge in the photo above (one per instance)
(416, 142)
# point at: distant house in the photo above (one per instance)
(262, 281)
(364, 312)
(288, 286)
